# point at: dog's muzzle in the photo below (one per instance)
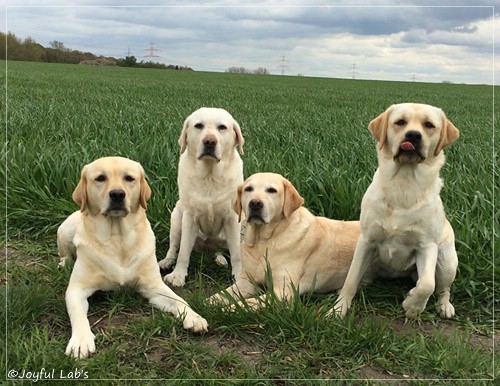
(410, 149)
(116, 206)
(209, 149)
(255, 208)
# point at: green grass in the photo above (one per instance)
(313, 131)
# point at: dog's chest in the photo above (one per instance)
(210, 224)
(397, 237)
(256, 261)
(210, 206)
(259, 255)
(118, 261)
(401, 221)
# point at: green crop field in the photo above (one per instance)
(311, 130)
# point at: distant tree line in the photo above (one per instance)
(131, 61)
(243, 70)
(13, 48)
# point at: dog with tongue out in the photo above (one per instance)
(404, 230)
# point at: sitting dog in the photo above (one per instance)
(210, 170)
(113, 243)
(403, 225)
(304, 252)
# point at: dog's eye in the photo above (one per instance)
(129, 178)
(222, 127)
(429, 125)
(271, 190)
(248, 189)
(400, 122)
(100, 178)
(199, 126)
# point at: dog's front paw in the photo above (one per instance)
(414, 304)
(217, 300)
(166, 263)
(340, 308)
(62, 262)
(175, 279)
(446, 310)
(220, 260)
(195, 323)
(81, 346)
(254, 304)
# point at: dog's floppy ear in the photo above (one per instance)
(80, 192)
(239, 137)
(237, 204)
(378, 127)
(293, 200)
(145, 193)
(183, 137)
(449, 133)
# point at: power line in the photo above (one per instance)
(152, 51)
(353, 71)
(283, 64)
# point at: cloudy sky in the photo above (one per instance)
(375, 39)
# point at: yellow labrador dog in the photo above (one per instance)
(114, 245)
(304, 252)
(210, 170)
(403, 225)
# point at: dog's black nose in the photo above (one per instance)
(413, 136)
(255, 204)
(117, 195)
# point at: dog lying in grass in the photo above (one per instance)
(114, 245)
(304, 252)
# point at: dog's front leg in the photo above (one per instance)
(81, 344)
(232, 232)
(242, 288)
(163, 298)
(426, 259)
(285, 285)
(446, 269)
(189, 232)
(283, 288)
(362, 259)
(174, 238)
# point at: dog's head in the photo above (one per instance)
(112, 186)
(267, 197)
(210, 134)
(412, 133)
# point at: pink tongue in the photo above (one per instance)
(407, 146)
